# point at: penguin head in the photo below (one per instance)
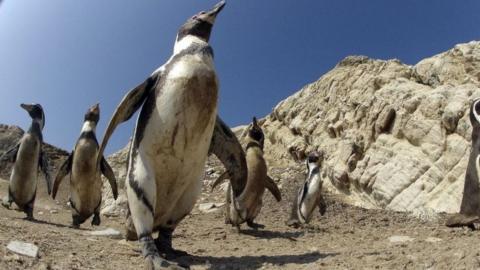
(201, 24)
(36, 112)
(314, 161)
(93, 114)
(255, 132)
(475, 114)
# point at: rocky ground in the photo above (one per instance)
(347, 237)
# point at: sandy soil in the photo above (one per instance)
(345, 238)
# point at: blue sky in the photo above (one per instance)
(68, 55)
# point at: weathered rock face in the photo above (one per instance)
(395, 136)
(118, 162)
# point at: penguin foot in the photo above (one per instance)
(294, 223)
(254, 225)
(96, 220)
(158, 263)
(168, 252)
(153, 261)
(7, 204)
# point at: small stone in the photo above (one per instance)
(400, 239)
(209, 207)
(23, 248)
(433, 240)
(54, 211)
(109, 232)
(40, 213)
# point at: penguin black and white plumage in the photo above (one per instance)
(85, 177)
(247, 206)
(176, 129)
(470, 206)
(28, 157)
(309, 196)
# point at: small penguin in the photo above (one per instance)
(470, 207)
(28, 156)
(85, 178)
(309, 195)
(247, 206)
(176, 130)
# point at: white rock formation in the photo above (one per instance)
(395, 136)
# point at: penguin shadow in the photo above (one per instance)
(267, 234)
(254, 262)
(58, 225)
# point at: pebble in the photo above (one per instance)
(400, 239)
(109, 232)
(23, 248)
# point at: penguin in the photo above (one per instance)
(248, 205)
(29, 157)
(309, 196)
(85, 179)
(470, 206)
(174, 133)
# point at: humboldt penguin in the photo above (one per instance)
(175, 131)
(309, 196)
(29, 157)
(247, 206)
(470, 206)
(85, 178)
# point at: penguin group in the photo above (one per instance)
(177, 128)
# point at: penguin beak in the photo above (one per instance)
(217, 8)
(27, 107)
(95, 108)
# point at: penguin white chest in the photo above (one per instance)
(179, 130)
(311, 197)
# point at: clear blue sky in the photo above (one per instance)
(68, 55)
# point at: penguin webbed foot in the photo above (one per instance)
(96, 220)
(165, 249)
(294, 223)
(7, 203)
(254, 225)
(152, 256)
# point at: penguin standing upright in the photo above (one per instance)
(85, 178)
(28, 156)
(470, 206)
(247, 206)
(309, 196)
(175, 131)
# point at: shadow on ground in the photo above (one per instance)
(254, 262)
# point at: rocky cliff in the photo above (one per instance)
(395, 136)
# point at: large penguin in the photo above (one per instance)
(176, 129)
(28, 156)
(309, 196)
(470, 207)
(247, 206)
(85, 178)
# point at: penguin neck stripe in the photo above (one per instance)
(477, 117)
(36, 129)
(253, 144)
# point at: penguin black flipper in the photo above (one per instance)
(130, 103)
(108, 172)
(11, 154)
(273, 188)
(43, 162)
(62, 172)
(220, 179)
(227, 148)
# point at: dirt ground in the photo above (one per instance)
(346, 237)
